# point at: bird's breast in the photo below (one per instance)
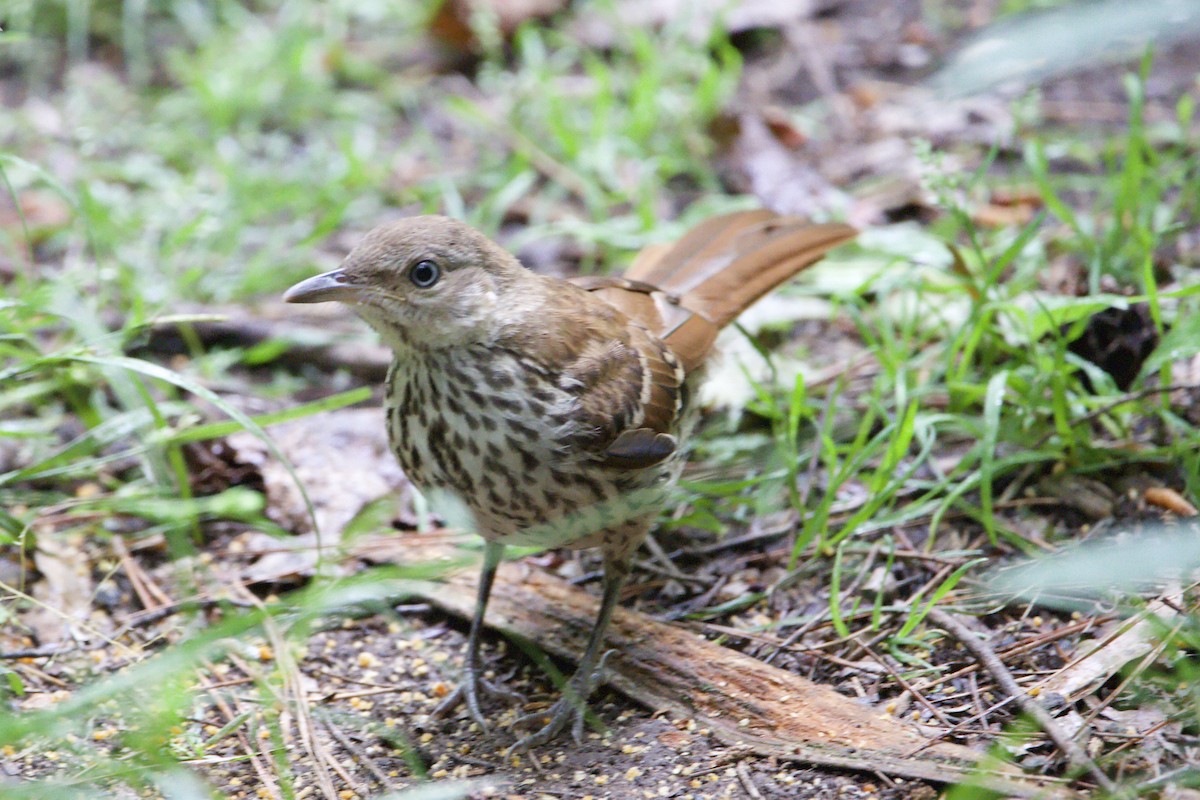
(490, 427)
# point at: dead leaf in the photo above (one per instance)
(41, 213)
(1171, 500)
(993, 215)
(64, 592)
(1101, 658)
(343, 460)
(777, 174)
(453, 23)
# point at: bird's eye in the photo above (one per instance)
(424, 274)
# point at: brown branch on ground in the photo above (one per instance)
(150, 594)
(359, 754)
(743, 701)
(1075, 754)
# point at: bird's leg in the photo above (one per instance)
(571, 708)
(473, 683)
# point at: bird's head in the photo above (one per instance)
(421, 281)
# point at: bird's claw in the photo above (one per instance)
(570, 709)
(567, 711)
(469, 691)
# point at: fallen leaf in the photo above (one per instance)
(453, 23)
(344, 462)
(1171, 500)
(1098, 660)
(64, 591)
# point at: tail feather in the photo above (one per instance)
(721, 266)
(684, 293)
(694, 247)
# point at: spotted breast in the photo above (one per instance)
(510, 437)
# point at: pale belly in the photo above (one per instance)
(494, 436)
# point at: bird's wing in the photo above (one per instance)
(670, 306)
(630, 391)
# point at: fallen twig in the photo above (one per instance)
(992, 663)
(743, 701)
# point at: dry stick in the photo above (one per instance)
(747, 782)
(149, 593)
(49, 650)
(742, 701)
(323, 761)
(813, 651)
(988, 658)
(732, 542)
(356, 752)
(962, 727)
(1033, 643)
(981, 712)
(265, 778)
(908, 687)
(792, 638)
(42, 676)
(1120, 401)
(138, 619)
(665, 565)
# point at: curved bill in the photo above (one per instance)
(333, 285)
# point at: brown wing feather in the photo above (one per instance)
(628, 391)
(639, 448)
(676, 299)
(607, 380)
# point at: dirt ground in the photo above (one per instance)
(372, 678)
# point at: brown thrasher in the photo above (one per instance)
(555, 410)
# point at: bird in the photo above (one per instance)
(556, 410)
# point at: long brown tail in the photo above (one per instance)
(686, 292)
(721, 266)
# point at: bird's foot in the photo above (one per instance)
(472, 688)
(567, 711)
(571, 709)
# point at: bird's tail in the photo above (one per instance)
(725, 263)
(719, 268)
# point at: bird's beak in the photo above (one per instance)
(335, 285)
